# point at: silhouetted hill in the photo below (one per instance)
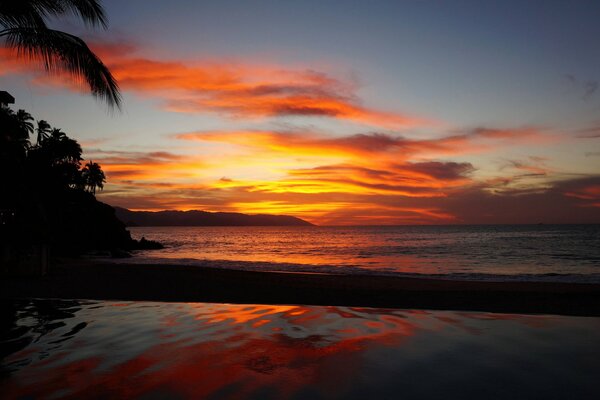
(203, 218)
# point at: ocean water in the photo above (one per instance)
(103, 350)
(502, 252)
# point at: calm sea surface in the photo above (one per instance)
(101, 350)
(535, 252)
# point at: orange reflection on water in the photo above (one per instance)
(221, 350)
(233, 314)
(196, 350)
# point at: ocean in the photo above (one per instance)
(74, 349)
(123, 350)
(569, 253)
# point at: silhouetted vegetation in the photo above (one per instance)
(48, 197)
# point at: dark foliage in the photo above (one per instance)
(47, 197)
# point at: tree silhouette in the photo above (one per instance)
(56, 160)
(66, 150)
(25, 121)
(25, 30)
(42, 130)
(50, 197)
(93, 176)
(14, 136)
(17, 126)
(57, 134)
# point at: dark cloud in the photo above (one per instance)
(535, 168)
(446, 171)
(587, 88)
(557, 204)
(570, 79)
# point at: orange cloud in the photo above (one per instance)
(234, 89)
(10, 62)
(311, 143)
(427, 179)
(318, 194)
(122, 166)
(346, 179)
(345, 164)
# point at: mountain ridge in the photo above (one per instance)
(204, 218)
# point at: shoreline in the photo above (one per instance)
(85, 279)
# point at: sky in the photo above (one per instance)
(341, 112)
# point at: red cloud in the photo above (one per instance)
(234, 89)
(589, 192)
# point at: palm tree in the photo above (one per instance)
(61, 149)
(25, 30)
(25, 121)
(57, 134)
(14, 131)
(42, 130)
(57, 158)
(93, 176)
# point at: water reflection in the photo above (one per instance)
(71, 349)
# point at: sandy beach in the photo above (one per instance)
(83, 279)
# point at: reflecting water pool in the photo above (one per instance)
(100, 349)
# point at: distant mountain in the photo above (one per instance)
(203, 218)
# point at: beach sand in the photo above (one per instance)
(83, 279)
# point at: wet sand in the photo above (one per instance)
(81, 279)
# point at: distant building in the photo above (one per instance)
(6, 99)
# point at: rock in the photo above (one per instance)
(145, 244)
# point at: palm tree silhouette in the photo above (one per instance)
(61, 149)
(57, 134)
(25, 127)
(42, 130)
(93, 176)
(58, 159)
(16, 127)
(25, 30)
(25, 121)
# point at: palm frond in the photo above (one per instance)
(24, 13)
(32, 13)
(90, 11)
(59, 51)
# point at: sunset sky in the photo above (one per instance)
(416, 112)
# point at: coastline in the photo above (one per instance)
(85, 279)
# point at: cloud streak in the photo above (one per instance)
(311, 143)
(238, 90)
